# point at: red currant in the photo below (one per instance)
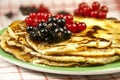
(104, 8)
(32, 15)
(72, 27)
(95, 5)
(41, 6)
(44, 9)
(40, 16)
(59, 16)
(28, 21)
(77, 12)
(82, 5)
(46, 16)
(39, 20)
(81, 26)
(35, 22)
(101, 14)
(68, 18)
(86, 11)
(93, 14)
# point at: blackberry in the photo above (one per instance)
(42, 25)
(25, 10)
(34, 9)
(33, 35)
(52, 19)
(9, 15)
(64, 27)
(51, 26)
(39, 38)
(58, 34)
(67, 34)
(29, 28)
(44, 32)
(49, 39)
(61, 22)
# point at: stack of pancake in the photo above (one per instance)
(97, 45)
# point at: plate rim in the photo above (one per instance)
(58, 70)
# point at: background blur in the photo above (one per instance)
(54, 6)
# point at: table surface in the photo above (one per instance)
(10, 71)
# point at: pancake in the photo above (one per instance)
(22, 52)
(97, 45)
(90, 42)
(15, 50)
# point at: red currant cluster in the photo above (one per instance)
(96, 11)
(72, 26)
(34, 18)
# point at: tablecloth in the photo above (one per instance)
(10, 71)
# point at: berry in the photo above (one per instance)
(77, 12)
(101, 14)
(52, 26)
(72, 27)
(32, 15)
(49, 39)
(82, 5)
(43, 9)
(38, 33)
(94, 14)
(43, 16)
(26, 10)
(39, 38)
(64, 27)
(68, 18)
(40, 16)
(59, 16)
(52, 19)
(86, 11)
(58, 33)
(81, 26)
(29, 28)
(44, 32)
(61, 22)
(33, 35)
(46, 16)
(42, 25)
(28, 21)
(9, 15)
(95, 6)
(67, 34)
(104, 9)
(35, 22)
(34, 9)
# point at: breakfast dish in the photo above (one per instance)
(98, 44)
(64, 40)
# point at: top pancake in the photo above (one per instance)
(100, 38)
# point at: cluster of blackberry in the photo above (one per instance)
(51, 31)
